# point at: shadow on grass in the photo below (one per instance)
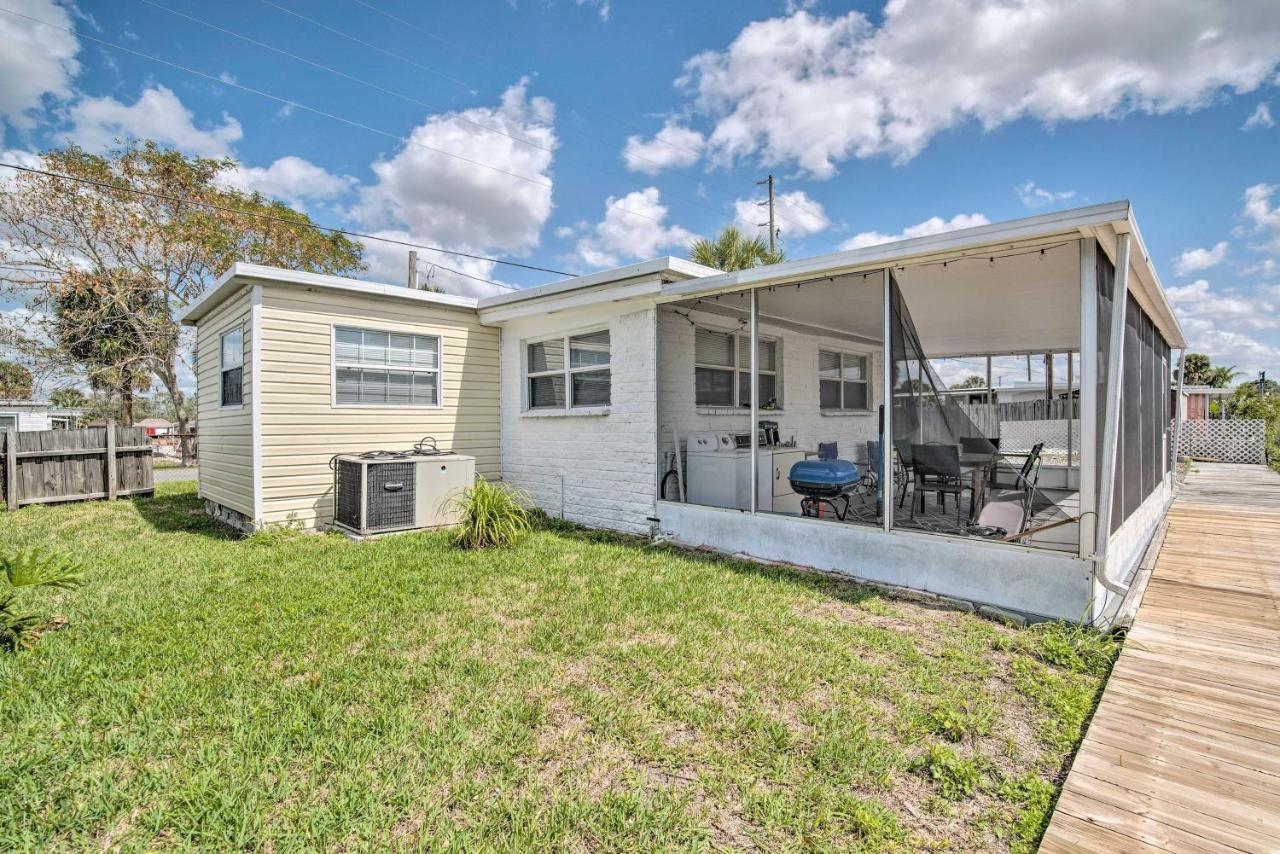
(174, 508)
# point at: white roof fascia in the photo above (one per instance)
(886, 254)
(611, 295)
(240, 273)
(614, 276)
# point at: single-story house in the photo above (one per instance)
(31, 415)
(158, 426)
(1196, 401)
(670, 399)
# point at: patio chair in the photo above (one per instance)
(937, 469)
(1022, 476)
(904, 470)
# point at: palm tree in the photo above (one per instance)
(732, 250)
(1221, 377)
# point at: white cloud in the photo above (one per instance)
(932, 225)
(1195, 260)
(813, 91)
(37, 60)
(1034, 196)
(158, 114)
(601, 7)
(795, 213)
(1260, 118)
(1265, 267)
(1230, 326)
(449, 202)
(290, 179)
(672, 147)
(1262, 217)
(633, 227)
(564, 231)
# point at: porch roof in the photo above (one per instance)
(1027, 301)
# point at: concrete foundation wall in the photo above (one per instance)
(1129, 543)
(1041, 583)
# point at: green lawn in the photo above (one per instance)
(578, 691)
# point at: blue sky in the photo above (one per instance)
(876, 120)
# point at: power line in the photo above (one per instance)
(271, 218)
(466, 275)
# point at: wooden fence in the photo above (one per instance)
(1058, 409)
(46, 466)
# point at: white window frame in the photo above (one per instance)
(866, 381)
(738, 368)
(4, 419)
(567, 372)
(222, 366)
(438, 370)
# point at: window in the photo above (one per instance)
(373, 368)
(843, 381)
(722, 369)
(8, 422)
(581, 381)
(231, 368)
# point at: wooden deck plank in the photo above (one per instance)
(1183, 753)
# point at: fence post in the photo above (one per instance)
(11, 468)
(111, 460)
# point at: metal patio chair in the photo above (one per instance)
(937, 469)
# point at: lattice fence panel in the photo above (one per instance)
(1240, 440)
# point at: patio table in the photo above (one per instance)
(977, 463)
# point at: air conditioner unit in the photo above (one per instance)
(384, 491)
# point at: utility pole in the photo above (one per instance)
(773, 229)
(413, 269)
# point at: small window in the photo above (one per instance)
(231, 368)
(376, 368)
(582, 380)
(8, 421)
(843, 381)
(722, 369)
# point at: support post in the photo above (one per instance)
(1088, 393)
(413, 269)
(755, 400)
(992, 426)
(11, 469)
(1048, 376)
(1111, 415)
(111, 460)
(1177, 410)
(886, 445)
(1071, 407)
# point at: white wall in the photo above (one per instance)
(28, 419)
(799, 415)
(608, 459)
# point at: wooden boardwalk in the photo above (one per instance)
(1184, 751)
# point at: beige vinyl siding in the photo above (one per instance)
(302, 428)
(226, 434)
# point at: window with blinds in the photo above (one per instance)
(569, 371)
(722, 369)
(843, 381)
(231, 368)
(376, 368)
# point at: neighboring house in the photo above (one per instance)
(1017, 391)
(158, 426)
(1196, 400)
(572, 391)
(28, 415)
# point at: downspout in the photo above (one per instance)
(1111, 422)
(886, 443)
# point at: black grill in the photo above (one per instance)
(347, 488)
(390, 496)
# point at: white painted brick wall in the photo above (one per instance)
(607, 461)
(799, 417)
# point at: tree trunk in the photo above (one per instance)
(168, 375)
(126, 398)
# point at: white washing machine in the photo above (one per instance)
(719, 474)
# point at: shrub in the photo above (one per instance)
(491, 515)
(32, 568)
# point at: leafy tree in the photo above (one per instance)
(1197, 368)
(732, 250)
(971, 381)
(143, 257)
(1221, 377)
(15, 381)
(69, 398)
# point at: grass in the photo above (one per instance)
(580, 691)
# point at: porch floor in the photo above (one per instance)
(934, 518)
(1183, 753)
